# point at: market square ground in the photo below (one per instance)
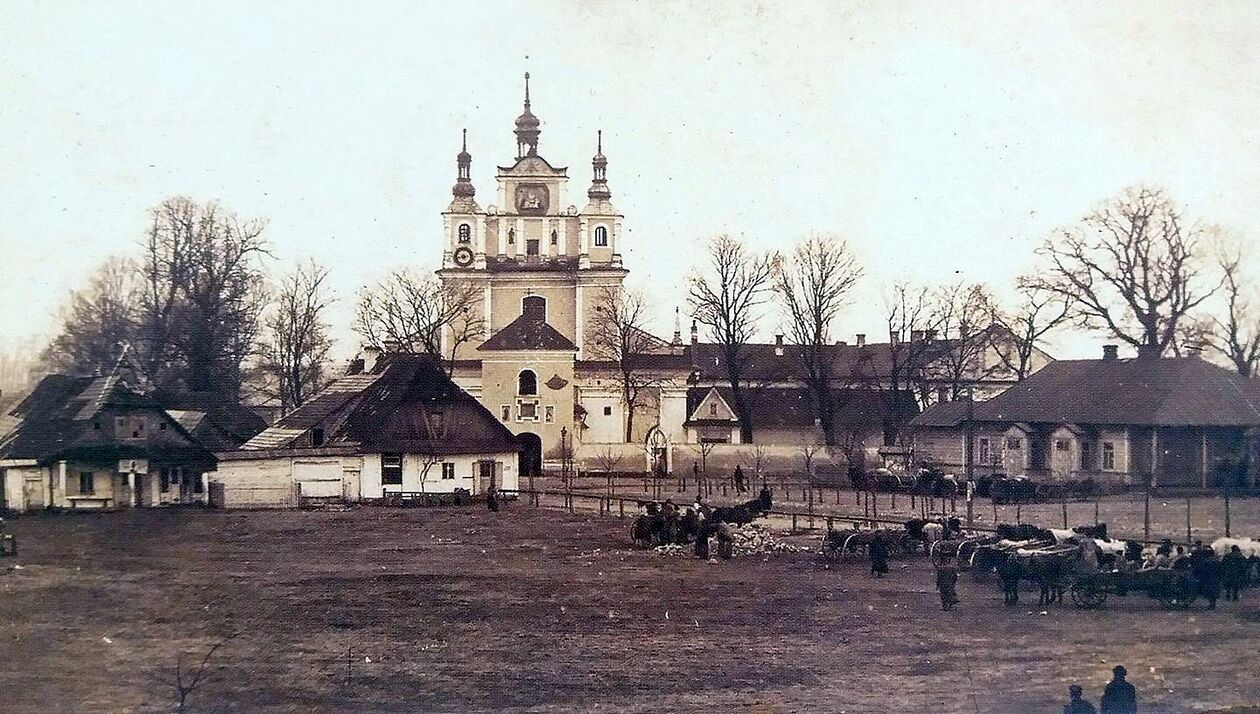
(537, 610)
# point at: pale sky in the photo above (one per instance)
(942, 140)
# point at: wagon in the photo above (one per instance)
(1175, 589)
(836, 543)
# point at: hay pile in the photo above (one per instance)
(750, 539)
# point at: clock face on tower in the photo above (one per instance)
(463, 256)
(531, 198)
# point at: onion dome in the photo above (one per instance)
(599, 185)
(463, 187)
(527, 130)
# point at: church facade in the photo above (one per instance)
(541, 258)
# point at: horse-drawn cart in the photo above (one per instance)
(1175, 589)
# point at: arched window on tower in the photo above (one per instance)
(527, 383)
(465, 233)
(601, 236)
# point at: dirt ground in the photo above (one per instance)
(429, 610)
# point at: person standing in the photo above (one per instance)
(1075, 704)
(947, 584)
(492, 499)
(1119, 696)
(739, 479)
(1206, 569)
(1233, 572)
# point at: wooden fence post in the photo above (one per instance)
(1227, 533)
(1188, 540)
(1065, 512)
(621, 508)
(1146, 516)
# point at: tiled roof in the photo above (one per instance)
(1141, 392)
(790, 407)
(1164, 392)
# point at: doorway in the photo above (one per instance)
(530, 463)
(485, 476)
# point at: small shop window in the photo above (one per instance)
(391, 469)
(87, 483)
(982, 445)
(448, 471)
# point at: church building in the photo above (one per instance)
(540, 265)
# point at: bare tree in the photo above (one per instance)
(813, 285)
(728, 301)
(186, 679)
(1020, 330)
(294, 354)
(1237, 336)
(413, 313)
(618, 334)
(1130, 269)
(963, 317)
(607, 462)
(97, 321)
(757, 462)
(203, 295)
(911, 311)
(703, 449)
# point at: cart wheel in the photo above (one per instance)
(830, 551)
(1177, 595)
(1087, 596)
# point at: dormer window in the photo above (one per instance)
(465, 233)
(601, 236)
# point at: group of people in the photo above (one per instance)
(1119, 697)
(1212, 574)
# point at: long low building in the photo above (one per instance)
(397, 425)
(1169, 422)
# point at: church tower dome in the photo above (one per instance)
(527, 130)
(599, 184)
(463, 187)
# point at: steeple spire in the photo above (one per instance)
(463, 187)
(599, 185)
(527, 130)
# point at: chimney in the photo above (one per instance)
(778, 345)
(929, 335)
(695, 333)
(1149, 352)
(861, 339)
(916, 335)
(370, 356)
(1110, 352)
(894, 337)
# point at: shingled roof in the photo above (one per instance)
(389, 410)
(58, 418)
(528, 332)
(1139, 392)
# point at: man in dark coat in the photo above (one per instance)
(764, 497)
(739, 479)
(1206, 570)
(702, 541)
(878, 552)
(1233, 572)
(492, 499)
(1119, 697)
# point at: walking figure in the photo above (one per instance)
(739, 479)
(878, 553)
